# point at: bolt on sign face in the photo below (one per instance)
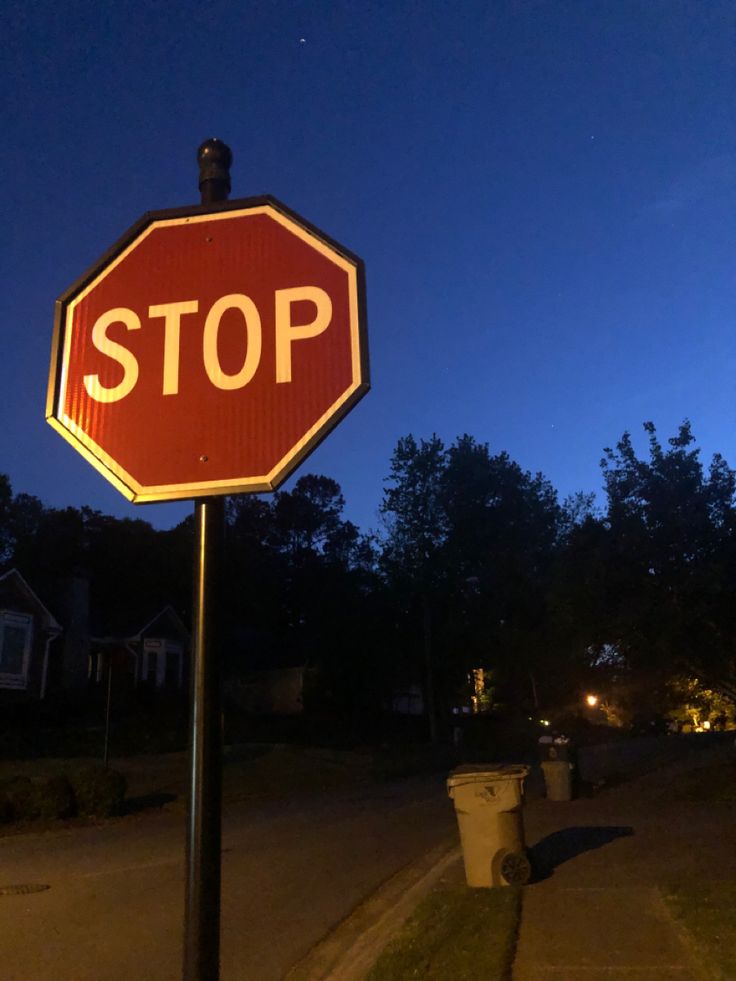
(209, 351)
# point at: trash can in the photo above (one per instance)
(488, 800)
(558, 758)
(557, 779)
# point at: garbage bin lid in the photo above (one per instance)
(483, 772)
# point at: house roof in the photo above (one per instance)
(167, 621)
(14, 577)
(167, 613)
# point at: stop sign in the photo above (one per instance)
(209, 351)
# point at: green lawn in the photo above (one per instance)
(707, 911)
(708, 783)
(459, 933)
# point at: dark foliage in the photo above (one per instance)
(98, 791)
(478, 566)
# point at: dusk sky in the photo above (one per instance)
(544, 194)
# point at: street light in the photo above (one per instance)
(591, 700)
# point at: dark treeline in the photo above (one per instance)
(477, 565)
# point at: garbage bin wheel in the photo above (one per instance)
(516, 869)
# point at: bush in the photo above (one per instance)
(18, 798)
(99, 791)
(54, 799)
(93, 792)
(22, 799)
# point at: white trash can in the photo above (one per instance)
(557, 779)
(488, 799)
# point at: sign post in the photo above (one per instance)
(204, 812)
(207, 353)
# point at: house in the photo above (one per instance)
(32, 667)
(155, 657)
(27, 630)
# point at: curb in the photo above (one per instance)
(349, 951)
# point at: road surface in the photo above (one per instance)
(291, 871)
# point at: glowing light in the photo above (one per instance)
(544, 722)
(591, 700)
(706, 724)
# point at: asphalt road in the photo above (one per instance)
(291, 871)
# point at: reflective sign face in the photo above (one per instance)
(208, 353)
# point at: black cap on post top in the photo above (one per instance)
(215, 159)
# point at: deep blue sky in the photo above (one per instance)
(544, 194)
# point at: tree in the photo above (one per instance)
(302, 579)
(664, 558)
(133, 570)
(306, 519)
(472, 537)
(412, 508)
(414, 518)
(6, 529)
(503, 524)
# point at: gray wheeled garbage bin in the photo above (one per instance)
(488, 799)
(558, 755)
(557, 779)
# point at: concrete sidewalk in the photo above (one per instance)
(597, 912)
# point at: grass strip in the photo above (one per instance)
(707, 911)
(715, 783)
(457, 933)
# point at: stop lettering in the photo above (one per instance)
(286, 333)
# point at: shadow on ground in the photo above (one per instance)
(563, 845)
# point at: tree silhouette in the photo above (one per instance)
(654, 575)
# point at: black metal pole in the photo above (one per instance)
(202, 903)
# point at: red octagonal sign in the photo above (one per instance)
(209, 351)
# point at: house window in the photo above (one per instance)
(15, 649)
(94, 667)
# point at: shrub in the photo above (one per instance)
(99, 791)
(54, 798)
(95, 792)
(18, 798)
(22, 799)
